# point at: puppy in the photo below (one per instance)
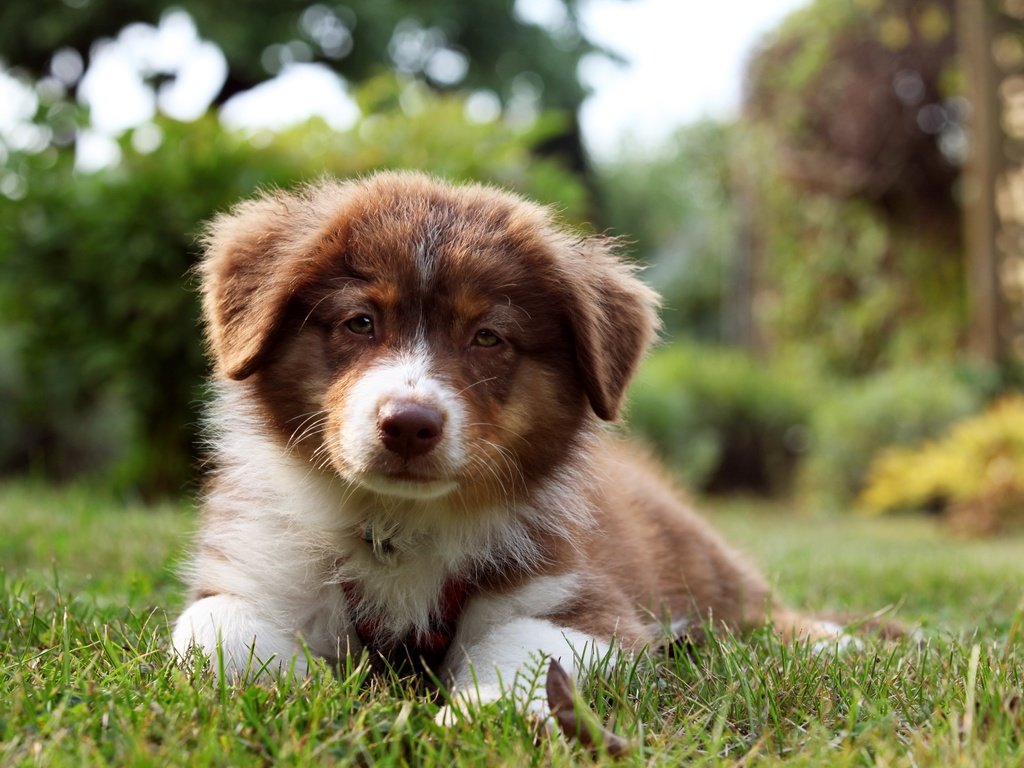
(412, 381)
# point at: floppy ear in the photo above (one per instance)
(614, 320)
(248, 276)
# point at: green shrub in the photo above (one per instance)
(101, 363)
(858, 419)
(675, 205)
(720, 418)
(893, 288)
(974, 473)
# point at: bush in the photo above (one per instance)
(101, 364)
(675, 204)
(720, 418)
(893, 288)
(861, 418)
(975, 473)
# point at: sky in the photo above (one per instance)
(685, 61)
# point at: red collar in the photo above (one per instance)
(429, 647)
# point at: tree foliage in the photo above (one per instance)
(851, 153)
(359, 39)
(675, 205)
(100, 355)
(862, 96)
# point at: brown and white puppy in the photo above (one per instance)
(411, 380)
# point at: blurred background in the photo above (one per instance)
(829, 195)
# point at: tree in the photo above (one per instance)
(855, 138)
(992, 51)
(482, 45)
(357, 39)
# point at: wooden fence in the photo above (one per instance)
(992, 54)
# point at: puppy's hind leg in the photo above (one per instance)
(823, 635)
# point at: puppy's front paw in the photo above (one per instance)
(236, 643)
(464, 705)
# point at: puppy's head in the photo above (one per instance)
(420, 339)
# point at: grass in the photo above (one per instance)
(87, 589)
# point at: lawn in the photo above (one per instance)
(87, 588)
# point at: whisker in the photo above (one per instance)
(312, 310)
(312, 429)
(506, 481)
(305, 415)
(510, 463)
(474, 384)
(313, 422)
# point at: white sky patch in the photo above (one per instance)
(113, 89)
(198, 82)
(114, 86)
(483, 106)
(19, 103)
(550, 14)
(686, 61)
(171, 44)
(95, 151)
(300, 92)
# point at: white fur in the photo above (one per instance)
(237, 640)
(501, 649)
(837, 639)
(407, 376)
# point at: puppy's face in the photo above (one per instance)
(421, 340)
(438, 363)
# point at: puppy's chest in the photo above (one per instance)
(400, 601)
(423, 643)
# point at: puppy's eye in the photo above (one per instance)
(486, 338)
(361, 325)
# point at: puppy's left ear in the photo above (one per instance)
(614, 320)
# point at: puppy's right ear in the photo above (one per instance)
(248, 275)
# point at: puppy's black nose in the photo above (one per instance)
(409, 428)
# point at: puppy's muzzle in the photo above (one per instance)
(409, 428)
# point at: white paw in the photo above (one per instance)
(235, 642)
(835, 639)
(464, 705)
